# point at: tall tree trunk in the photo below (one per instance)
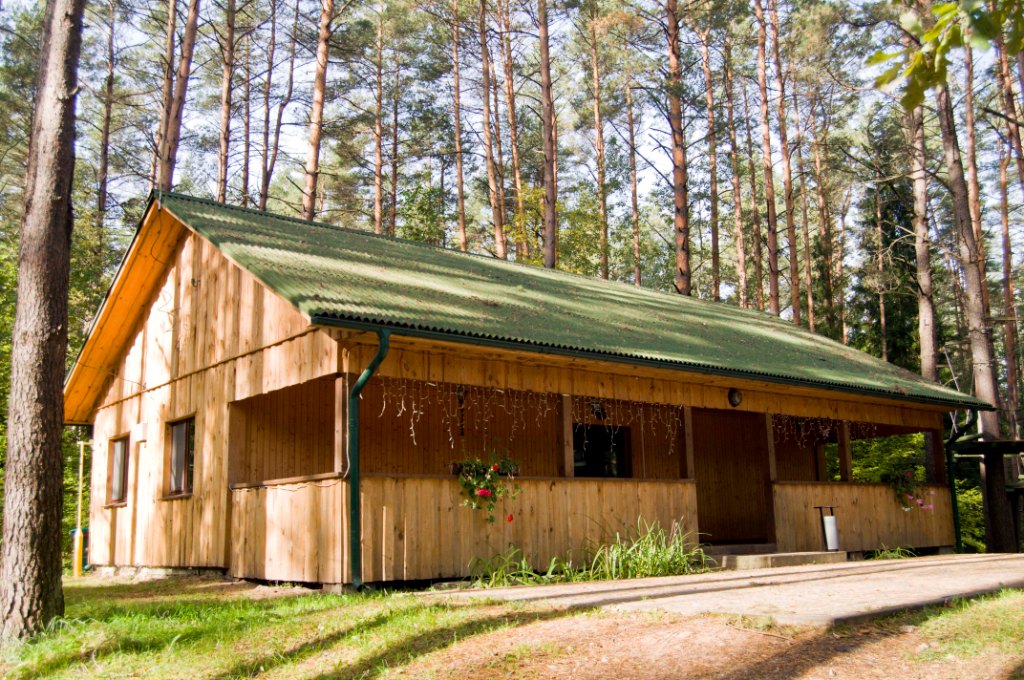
(633, 192)
(680, 202)
(985, 383)
(808, 255)
(772, 226)
(824, 219)
(172, 133)
(457, 105)
(840, 263)
(1010, 338)
(497, 210)
(737, 197)
(395, 95)
(973, 190)
(787, 171)
(166, 91)
(30, 555)
(754, 210)
(602, 198)
(378, 130)
(522, 242)
(108, 114)
(499, 157)
(227, 58)
(549, 140)
(268, 80)
(268, 171)
(928, 332)
(709, 96)
(246, 120)
(316, 114)
(1004, 81)
(880, 266)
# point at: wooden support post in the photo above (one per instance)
(820, 463)
(769, 427)
(688, 434)
(568, 454)
(341, 384)
(238, 456)
(845, 453)
(999, 536)
(935, 457)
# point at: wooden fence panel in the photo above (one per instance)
(417, 528)
(868, 517)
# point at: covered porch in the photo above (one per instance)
(591, 466)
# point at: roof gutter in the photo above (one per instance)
(426, 334)
(354, 504)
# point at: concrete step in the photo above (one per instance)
(765, 561)
(740, 549)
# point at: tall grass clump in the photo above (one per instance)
(653, 551)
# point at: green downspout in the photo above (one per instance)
(354, 505)
(951, 478)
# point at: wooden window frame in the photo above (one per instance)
(120, 500)
(187, 472)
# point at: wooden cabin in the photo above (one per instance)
(247, 370)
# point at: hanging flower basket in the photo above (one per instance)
(486, 483)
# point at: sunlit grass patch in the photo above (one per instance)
(188, 627)
(990, 625)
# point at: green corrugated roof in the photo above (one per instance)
(344, 276)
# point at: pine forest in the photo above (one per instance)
(783, 155)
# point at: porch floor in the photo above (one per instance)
(819, 595)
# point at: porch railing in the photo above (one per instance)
(868, 517)
(417, 528)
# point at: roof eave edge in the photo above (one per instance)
(397, 329)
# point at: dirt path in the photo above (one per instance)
(620, 645)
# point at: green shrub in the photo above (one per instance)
(972, 519)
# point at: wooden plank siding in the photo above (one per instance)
(868, 517)
(465, 364)
(414, 427)
(211, 334)
(417, 528)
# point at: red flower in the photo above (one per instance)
(510, 518)
(495, 467)
(483, 493)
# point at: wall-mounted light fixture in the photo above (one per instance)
(735, 397)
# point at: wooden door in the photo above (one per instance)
(732, 475)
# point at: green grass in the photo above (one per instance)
(189, 627)
(990, 625)
(884, 553)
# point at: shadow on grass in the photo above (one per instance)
(84, 593)
(268, 662)
(151, 627)
(422, 643)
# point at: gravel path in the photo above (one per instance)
(819, 595)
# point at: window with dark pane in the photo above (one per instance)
(600, 451)
(183, 455)
(119, 470)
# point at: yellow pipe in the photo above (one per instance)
(78, 546)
